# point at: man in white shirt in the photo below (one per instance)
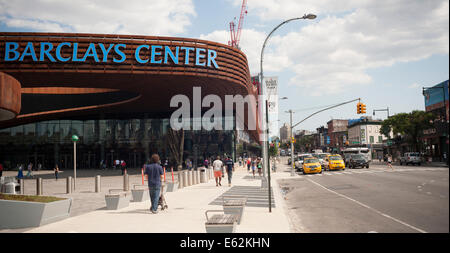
(217, 166)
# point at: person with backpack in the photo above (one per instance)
(230, 168)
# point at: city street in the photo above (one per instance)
(408, 199)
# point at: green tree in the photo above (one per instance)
(273, 150)
(409, 125)
(304, 142)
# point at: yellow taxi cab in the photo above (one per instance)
(311, 165)
(335, 162)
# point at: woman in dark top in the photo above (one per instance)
(155, 173)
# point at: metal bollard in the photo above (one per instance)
(126, 182)
(194, 180)
(189, 177)
(196, 177)
(22, 186)
(180, 180)
(185, 178)
(69, 185)
(97, 184)
(39, 188)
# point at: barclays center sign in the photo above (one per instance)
(104, 53)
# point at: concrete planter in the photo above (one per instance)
(140, 194)
(23, 214)
(172, 186)
(115, 201)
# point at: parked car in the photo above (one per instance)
(358, 160)
(311, 165)
(334, 162)
(411, 158)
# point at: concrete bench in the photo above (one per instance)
(115, 201)
(140, 193)
(234, 205)
(220, 223)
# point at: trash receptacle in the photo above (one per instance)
(203, 176)
(10, 188)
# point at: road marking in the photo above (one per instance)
(370, 208)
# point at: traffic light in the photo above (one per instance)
(360, 108)
(363, 109)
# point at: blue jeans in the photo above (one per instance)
(154, 196)
(230, 175)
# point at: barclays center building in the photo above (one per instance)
(114, 92)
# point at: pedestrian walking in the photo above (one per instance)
(217, 166)
(188, 164)
(30, 170)
(249, 164)
(123, 165)
(20, 172)
(56, 169)
(206, 163)
(230, 168)
(389, 161)
(1, 169)
(155, 173)
(253, 166)
(240, 161)
(259, 166)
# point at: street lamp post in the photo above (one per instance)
(74, 139)
(265, 139)
(292, 146)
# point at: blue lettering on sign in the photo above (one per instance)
(46, 52)
(158, 54)
(31, 52)
(9, 50)
(122, 55)
(105, 51)
(138, 50)
(58, 51)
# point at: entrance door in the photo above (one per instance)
(66, 161)
(89, 161)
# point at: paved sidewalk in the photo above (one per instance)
(186, 212)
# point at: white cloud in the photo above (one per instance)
(141, 17)
(414, 86)
(335, 51)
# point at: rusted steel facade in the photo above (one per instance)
(153, 85)
(10, 97)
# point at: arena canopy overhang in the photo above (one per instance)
(71, 75)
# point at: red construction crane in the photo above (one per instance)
(236, 35)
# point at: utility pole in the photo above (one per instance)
(292, 145)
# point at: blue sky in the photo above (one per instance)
(383, 52)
